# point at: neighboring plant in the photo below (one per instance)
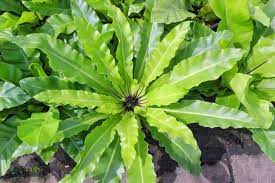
(96, 77)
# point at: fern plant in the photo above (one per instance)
(116, 78)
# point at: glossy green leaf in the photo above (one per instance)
(256, 107)
(95, 144)
(200, 30)
(11, 96)
(263, 53)
(142, 169)
(156, 117)
(11, 5)
(9, 142)
(236, 18)
(35, 85)
(48, 8)
(27, 17)
(23, 149)
(211, 115)
(80, 98)
(60, 23)
(8, 20)
(218, 7)
(10, 73)
(150, 38)
(229, 101)
(164, 52)
(127, 129)
(93, 41)
(258, 14)
(185, 155)
(136, 8)
(136, 32)
(39, 129)
(21, 58)
(47, 154)
(110, 166)
(269, 11)
(265, 138)
(266, 69)
(266, 89)
(73, 126)
(37, 70)
(83, 12)
(73, 147)
(192, 72)
(217, 40)
(64, 59)
(170, 11)
(125, 47)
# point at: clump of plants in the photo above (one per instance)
(91, 76)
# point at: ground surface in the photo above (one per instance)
(228, 156)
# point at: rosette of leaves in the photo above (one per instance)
(113, 73)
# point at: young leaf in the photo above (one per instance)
(127, 129)
(186, 156)
(192, 72)
(256, 107)
(210, 115)
(95, 144)
(80, 98)
(164, 52)
(94, 42)
(125, 47)
(142, 169)
(38, 130)
(110, 167)
(9, 142)
(167, 124)
(11, 96)
(150, 38)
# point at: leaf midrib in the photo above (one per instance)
(203, 114)
(194, 73)
(111, 160)
(91, 148)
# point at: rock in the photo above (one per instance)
(252, 169)
(216, 173)
(179, 176)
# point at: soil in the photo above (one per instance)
(228, 156)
